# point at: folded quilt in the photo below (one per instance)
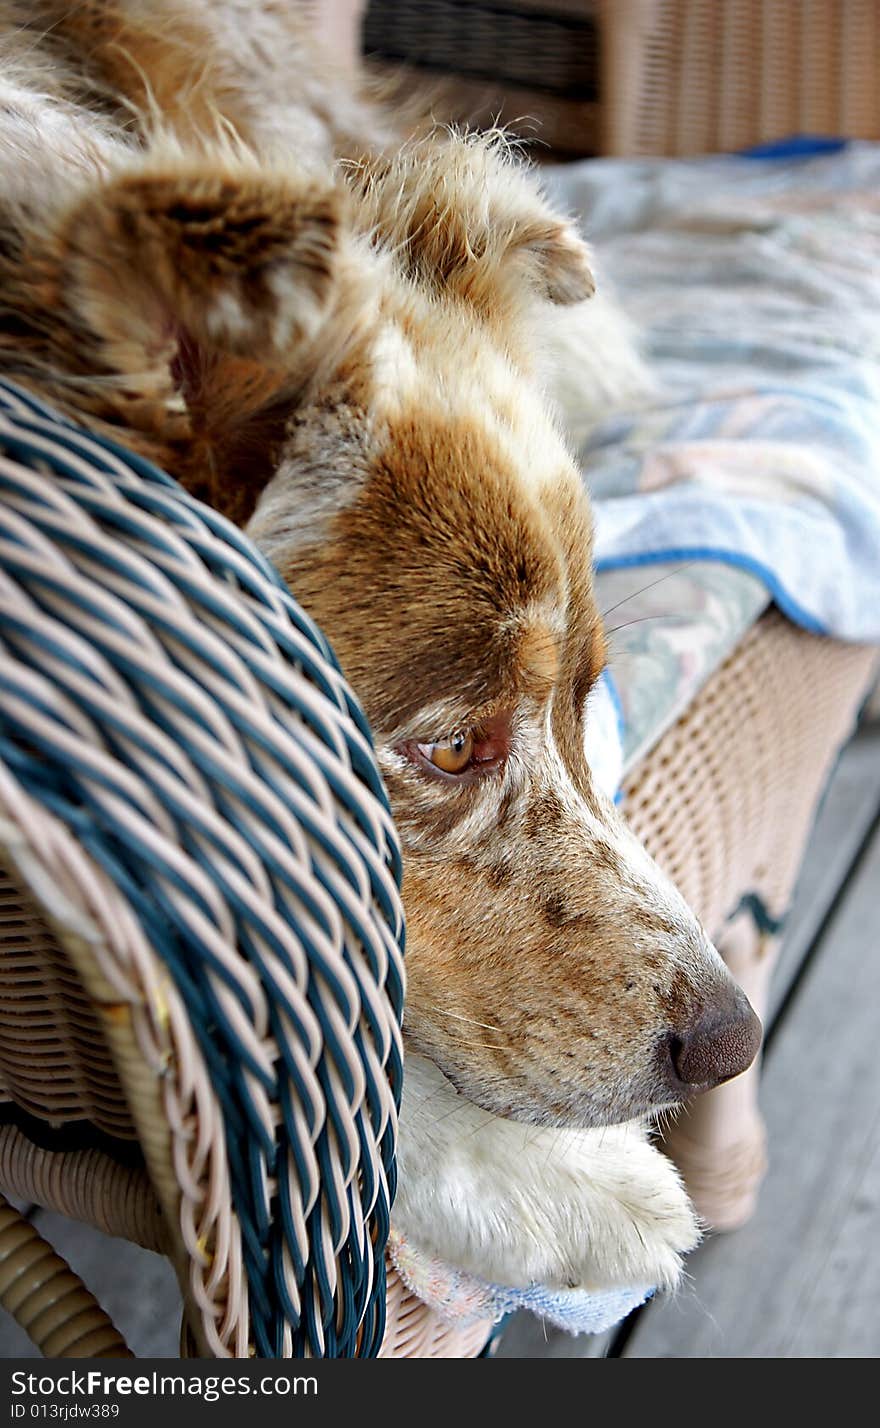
(756, 284)
(671, 626)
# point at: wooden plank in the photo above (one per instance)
(850, 805)
(841, 1313)
(803, 1278)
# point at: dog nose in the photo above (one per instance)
(722, 1043)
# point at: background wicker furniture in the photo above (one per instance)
(534, 66)
(725, 802)
(698, 76)
(630, 77)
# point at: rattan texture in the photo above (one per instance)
(40, 991)
(413, 1331)
(552, 48)
(49, 1301)
(726, 798)
(86, 1185)
(181, 735)
(698, 76)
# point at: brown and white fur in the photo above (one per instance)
(355, 359)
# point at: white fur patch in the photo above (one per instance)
(394, 364)
(298, 312)
(518, 1204)
(227, 318)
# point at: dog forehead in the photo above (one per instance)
(462, 518)
(467, 438)
(432, 359)
(441, 528)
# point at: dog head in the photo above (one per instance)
(428, 512)
(358, 368)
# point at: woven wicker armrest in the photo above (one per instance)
(201, 926)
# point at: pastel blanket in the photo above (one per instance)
(757, 285)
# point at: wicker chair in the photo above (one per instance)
(695, 76)
(725, 802)
(201, 978)
(627, 77)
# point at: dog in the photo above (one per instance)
(215, 251)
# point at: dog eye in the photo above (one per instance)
(465, 757)
(451, 756)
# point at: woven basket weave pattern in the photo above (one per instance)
(726, 798)
(182, 727)
(40, 991)
(698, 76)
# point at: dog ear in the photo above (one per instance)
(196, 292)
(465, 215)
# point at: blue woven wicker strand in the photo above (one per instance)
(229, 788)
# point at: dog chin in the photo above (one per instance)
(518, 1204)
(587, 1114)
(546, 1110)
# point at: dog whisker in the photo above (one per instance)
(426, 1100)
(642, 620)
(483, 1124)
(650, 586)
(487, 1026)
(481, 1045)
(558, 1145)
(456, 1111)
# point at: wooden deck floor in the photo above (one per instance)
(803, 1279)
